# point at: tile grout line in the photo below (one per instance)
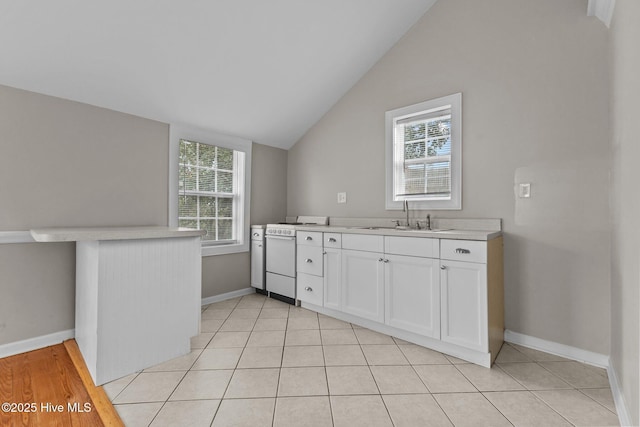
(581, 390)
(485, 397)
(215, 414)
(529, 390)
(532, 391)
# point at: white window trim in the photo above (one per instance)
(178, 132)
(455, 203)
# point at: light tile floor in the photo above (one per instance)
(260, 362)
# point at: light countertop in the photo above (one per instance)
(387, 231)
(75, 234)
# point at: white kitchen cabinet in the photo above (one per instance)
(332, 278)
(446, 294)
(309, 288)
(257, 264)
(464, 304)
(363, 284)
(412, 294)
(309, 260)
(472, 294)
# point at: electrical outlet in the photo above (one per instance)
(524, 190)
(342, 197)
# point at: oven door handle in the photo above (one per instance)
(281, 237)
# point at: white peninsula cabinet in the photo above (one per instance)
(445, 294)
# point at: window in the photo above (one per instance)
(424, 154)
(210, 188)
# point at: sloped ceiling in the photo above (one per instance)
(265, 70)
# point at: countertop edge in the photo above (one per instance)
(480, 235)
(75, 234)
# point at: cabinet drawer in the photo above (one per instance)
(309, 260)
(363, 242)
(412, 246)
(309, 238)
(463, 250)
(309, 288)
(333, 240)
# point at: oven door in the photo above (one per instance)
(281, 255)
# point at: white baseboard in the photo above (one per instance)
(228, 295)
(573, 353)
(618, 397)
(35, 343)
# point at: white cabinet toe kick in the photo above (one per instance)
(444, 294)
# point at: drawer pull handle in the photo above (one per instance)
(332, 240)
(385, 260)
(380, 259)
(309, 289)
(256, 234)
(259, 246)
(443, 267)
(463, 251)
(308, 260)
(308, 238)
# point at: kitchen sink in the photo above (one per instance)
(375, 228)
(401, 228)
(433, 230)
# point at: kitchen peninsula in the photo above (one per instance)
(137, 294)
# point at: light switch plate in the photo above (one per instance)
(524, 190)
(342, 197)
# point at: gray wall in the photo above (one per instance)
(535, 95)
(64, 163)
(227, 273)
(625, 257)
(67, 164)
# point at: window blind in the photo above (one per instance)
(423, 154)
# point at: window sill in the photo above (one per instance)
(225, 249)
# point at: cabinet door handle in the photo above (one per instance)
(256, 234)
(308, 288)
(462, 251)
(380, 259)
(443, 267)
(259, 246)
(308, 260)
(332, 240)
(308, 238)
(385, 260)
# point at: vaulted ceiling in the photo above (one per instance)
(263, 70)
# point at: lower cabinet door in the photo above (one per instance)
(412, 294)
(332, 278)
(463, 287)
(362, 284)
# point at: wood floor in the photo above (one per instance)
(52, 387)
